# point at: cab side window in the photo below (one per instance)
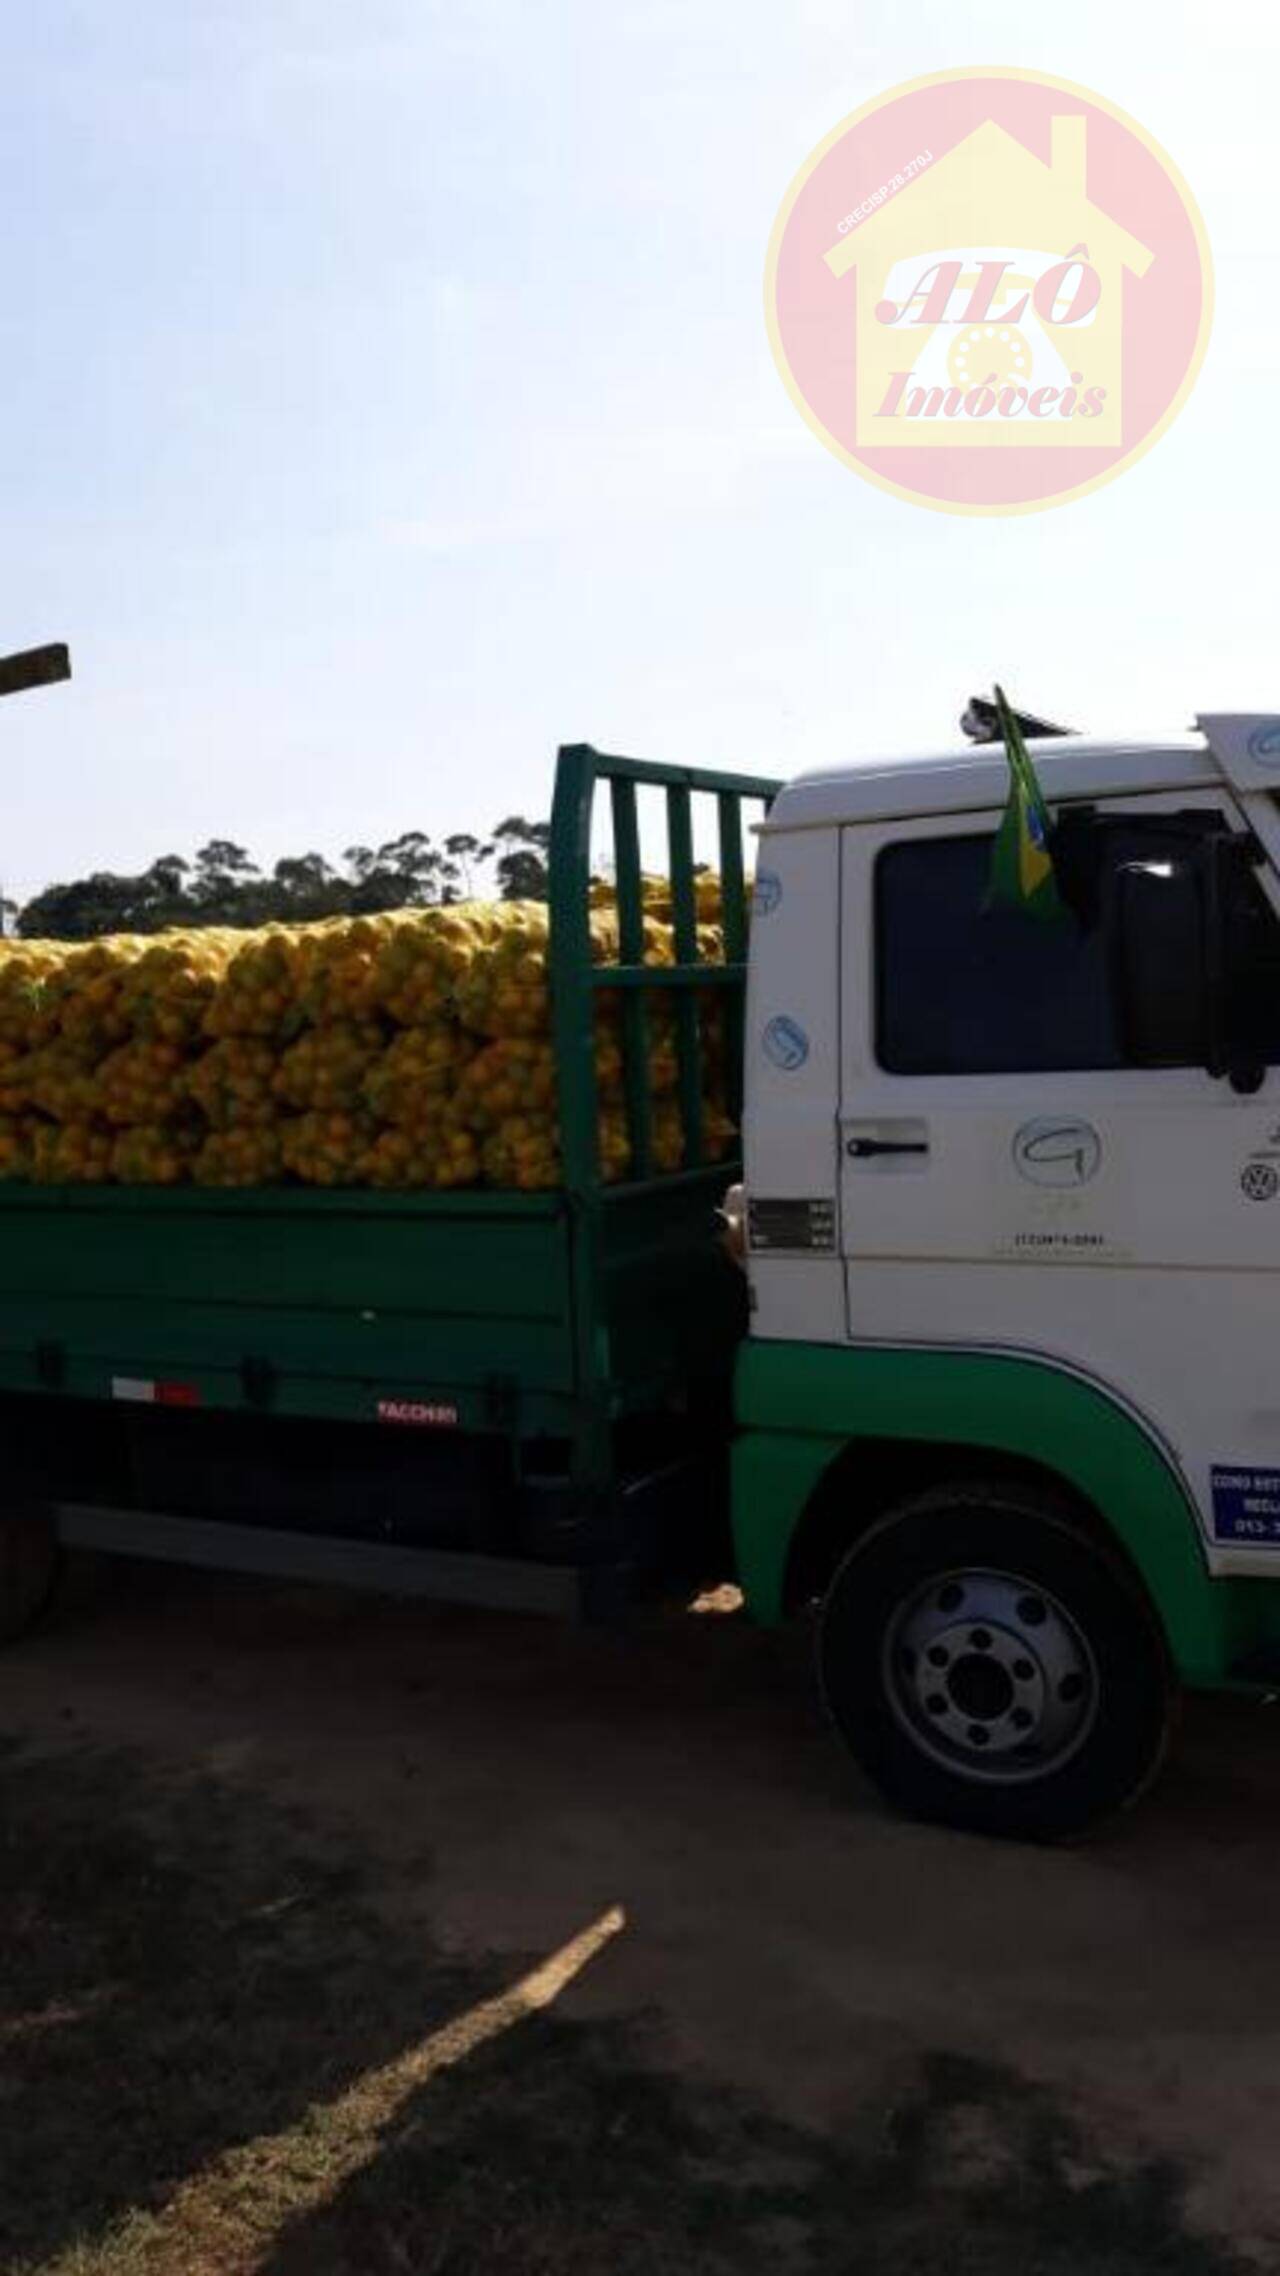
(962, 989)
(965, 989)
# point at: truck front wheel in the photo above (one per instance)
(28, 1570)
(991, 1668)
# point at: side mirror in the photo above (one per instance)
(1184, 970)
(1162, 967)
(1243, 964)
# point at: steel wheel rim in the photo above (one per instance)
(990, 1676)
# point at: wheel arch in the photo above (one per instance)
(870, 1476)
(833, 1436)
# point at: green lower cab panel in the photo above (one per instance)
(799, 1406)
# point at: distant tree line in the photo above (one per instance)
(224, 886)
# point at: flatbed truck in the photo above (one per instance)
(993, 1399)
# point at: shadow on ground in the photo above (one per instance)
(207, 2035)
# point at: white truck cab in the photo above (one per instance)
(1010, 1406)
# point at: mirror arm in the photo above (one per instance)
(1217, 1054)
(1227, 850)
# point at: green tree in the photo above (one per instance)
(223, 885)
(467, 855)
(521, 865)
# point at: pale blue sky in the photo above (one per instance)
(387, 399)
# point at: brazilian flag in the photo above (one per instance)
(1022, 875)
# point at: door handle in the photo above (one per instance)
(862, 1149)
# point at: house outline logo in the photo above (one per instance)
(966, 198)
(982, 330)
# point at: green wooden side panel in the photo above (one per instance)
(332, 1298)
(320, 1303)
(800, 1405)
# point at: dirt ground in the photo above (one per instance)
(344, 1938)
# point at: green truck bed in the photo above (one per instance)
(543, 1331)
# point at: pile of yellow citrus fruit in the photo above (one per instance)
(407, 1050)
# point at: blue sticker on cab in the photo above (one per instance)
(785, 1043)
(767, 893)
(1246, 1506)
(1264, 743)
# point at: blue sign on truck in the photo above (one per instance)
(1246, 1505)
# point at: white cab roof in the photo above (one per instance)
(1241, 746)
(977, 777)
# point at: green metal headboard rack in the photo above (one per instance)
(576, 983)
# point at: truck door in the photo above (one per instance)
(1009, 1182)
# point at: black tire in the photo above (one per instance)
(1048, 1635)
(29, 1561)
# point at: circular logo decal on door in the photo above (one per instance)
(1264, 744)
(1057, 1150)
(785, 1043)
